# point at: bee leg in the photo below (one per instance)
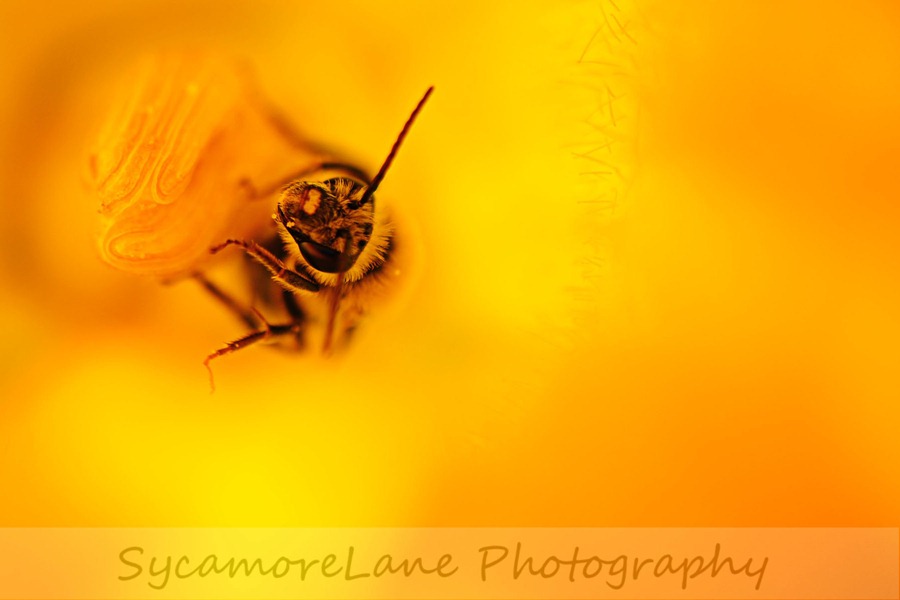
(351, 319)
(285, 128)
(297, 314)
(251, 338)
(287, 278)
(292, 135)
(247, 316)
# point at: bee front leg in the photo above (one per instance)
(247, 316)
(251, 338)
(287, 278)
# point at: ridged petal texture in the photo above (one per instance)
(168, 166)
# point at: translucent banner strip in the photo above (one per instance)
(450, 563)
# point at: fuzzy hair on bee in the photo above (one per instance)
(329, 248)
(317, 216)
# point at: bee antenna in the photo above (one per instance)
(376, 181)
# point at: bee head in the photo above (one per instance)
(330, 221)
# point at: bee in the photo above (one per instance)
(181, 166)
(334, 243)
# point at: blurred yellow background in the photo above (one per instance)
(660, 255)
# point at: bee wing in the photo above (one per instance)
(169, 164)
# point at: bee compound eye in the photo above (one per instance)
(321, 257)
